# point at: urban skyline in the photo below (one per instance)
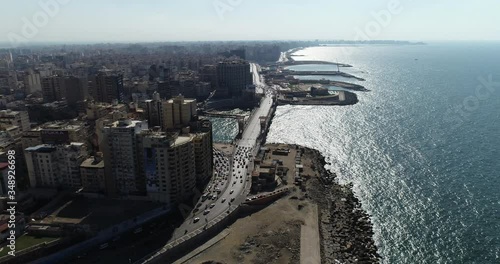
(58, 21)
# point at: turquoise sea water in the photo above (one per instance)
(428, 172)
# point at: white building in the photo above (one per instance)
(55, 166)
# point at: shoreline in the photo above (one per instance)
(319, 220)
(345, 228)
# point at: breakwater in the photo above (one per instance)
(345, 228)
(348, 98)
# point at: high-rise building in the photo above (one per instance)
(8, 81)
(233, 77)
(32, 82)
(208, 73)
(76, 89)
(53, 89)
(177, 112)
(167, 89)
(168, 166)
(119, 147)
(55, 165)
(203, 151)
(174, 163)
(107, 86)
(153, 111)
(70, 158)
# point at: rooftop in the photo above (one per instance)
(92, 162)
(42, 148)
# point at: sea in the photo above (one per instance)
(422, 146)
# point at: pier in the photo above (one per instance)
(321, 73)
(295, 63)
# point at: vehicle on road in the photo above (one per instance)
(231, 192)
(232, 199)
(103, 246)
(196, 219)
(206, 212)
(212, 205)
(224, 200)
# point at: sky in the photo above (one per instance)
(71, 21)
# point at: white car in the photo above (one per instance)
(231, 192)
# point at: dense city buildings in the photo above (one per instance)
(114, 123)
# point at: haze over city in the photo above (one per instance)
(201, 20)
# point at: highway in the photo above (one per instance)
(232, 178)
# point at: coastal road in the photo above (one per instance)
(233, 191)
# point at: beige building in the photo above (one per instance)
(177, 112)
(168, 166)
(203, 150)
(174, 163)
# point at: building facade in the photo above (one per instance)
(119, 148)
(55, 165)
(233, 77)
(177, 112)
(168, 164)
(107, 86)
(53, 89)
(15, 118)
(93, 174)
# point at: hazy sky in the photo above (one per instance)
(170, 20)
